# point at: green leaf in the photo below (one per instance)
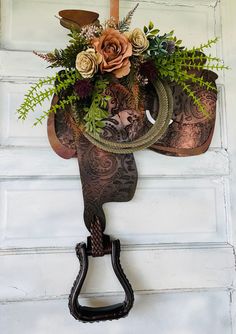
(145, 29)
(154, 31)
(151, 25)
(101, 124)
(97, 111)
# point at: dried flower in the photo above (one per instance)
(110, 23)
(87, 63)
(148, 70)
(115, 50)
(90, 31)
(83, 88)
(138, 40)
(143, 81)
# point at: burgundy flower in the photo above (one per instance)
(83, 88)
(170, 47)
(148, 70)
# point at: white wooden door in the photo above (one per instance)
(177, 234)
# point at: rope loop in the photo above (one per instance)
(153, 134)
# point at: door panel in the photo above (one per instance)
(169, 313)
(176, 233)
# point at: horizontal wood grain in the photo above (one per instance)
(32, 274)
(14, 132)
(174, 233)
(168, 14)
(166, 313)
(162, 210)
(43, 162)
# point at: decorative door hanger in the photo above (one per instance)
(120, 90)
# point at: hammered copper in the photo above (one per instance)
(105, 177)
(108, 177)
(191, 131)
(57, 142)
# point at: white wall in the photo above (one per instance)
(176, 233)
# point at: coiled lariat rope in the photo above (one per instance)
(156, 132)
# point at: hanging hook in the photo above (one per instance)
(114, 10)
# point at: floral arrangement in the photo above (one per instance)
(98, 55)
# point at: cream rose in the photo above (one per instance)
(87, 63)
(138, 40)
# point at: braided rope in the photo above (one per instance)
(96, 238)
(156, 132)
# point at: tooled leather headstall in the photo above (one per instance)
(165, 120)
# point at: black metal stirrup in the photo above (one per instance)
(99, 244)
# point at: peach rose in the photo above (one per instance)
(115, 50)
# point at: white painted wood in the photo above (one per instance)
(34, 274)
(39, 16)
(177, 226)
(196, 218)
(14, 132)
(170, 313)
(31, 67)
(31, 162)
(228, 10)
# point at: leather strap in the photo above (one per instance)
(96, 231)
(114, 10)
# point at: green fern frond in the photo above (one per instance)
(186, 88)
(39, 84)
(65, 57)
(206, 66)
(208, 45)
(65, 80)
(200, 81)
(69, 100)
(185, 58)
(30, 103)
(97, 112)
(36, 96)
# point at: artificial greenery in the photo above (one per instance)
(161, 56)
(97, 112)
(66, 58)
(36, 96)
(124, 24)
(174, 65)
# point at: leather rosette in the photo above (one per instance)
(115, 49)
